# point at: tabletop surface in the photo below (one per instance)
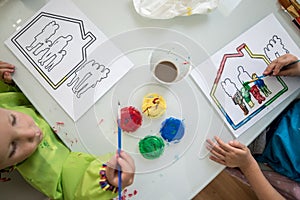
(185, 168)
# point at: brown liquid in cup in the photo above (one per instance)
(166, 71)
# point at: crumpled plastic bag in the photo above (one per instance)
(166, 9)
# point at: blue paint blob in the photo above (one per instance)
(172, 130)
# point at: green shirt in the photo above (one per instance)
(53, 169)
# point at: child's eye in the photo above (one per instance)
(13, 149)
(13, 119)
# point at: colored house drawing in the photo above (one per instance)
(240, 90)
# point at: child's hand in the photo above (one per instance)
(276, 67)
(233, 154)
(6, 71)
(127, 166)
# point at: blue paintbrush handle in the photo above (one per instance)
(119, 167)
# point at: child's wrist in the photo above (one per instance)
(249, 166)
(104, 184)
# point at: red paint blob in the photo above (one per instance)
(131, 119)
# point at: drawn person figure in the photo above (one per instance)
(42, 39)
(275, 48)
(87, 76)
(243, 77)
(245, 91)
(261, 84)
(55, 50)
(51, 63)
(232, 91)
(254, 90)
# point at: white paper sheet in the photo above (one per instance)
(69, 55)
(221, 77)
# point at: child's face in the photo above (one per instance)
(19, 137)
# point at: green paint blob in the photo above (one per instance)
(151, 147)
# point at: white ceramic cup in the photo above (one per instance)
(170, 63)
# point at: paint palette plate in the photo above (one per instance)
(181, 104)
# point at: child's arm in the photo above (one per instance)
(127, 166)
(283, 66)
(235, 154)
(6, 71)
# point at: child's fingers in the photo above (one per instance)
(218, 154)
(124, 160)
(236, 144)
(223, 145)
(128, 159)
(275, 67)
(126, 166)
(112, 163)
(6, 65)
(269, 69)
(276, 70)
(218, 160)
(111, 176)
(210, 142)
(215, 148)
(10, 71)
(7, 77)
(288, 72)
(6, 74)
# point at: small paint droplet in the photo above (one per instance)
(100, 122)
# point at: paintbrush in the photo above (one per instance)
(119, 150)
(119, 128)
(287, 66)
(260, 77)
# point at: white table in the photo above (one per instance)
(185, 176)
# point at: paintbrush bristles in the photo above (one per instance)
(295, 4)
(292, 10)
(119, 109)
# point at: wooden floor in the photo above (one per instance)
(226, 187)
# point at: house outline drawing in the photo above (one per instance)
(83, 42)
